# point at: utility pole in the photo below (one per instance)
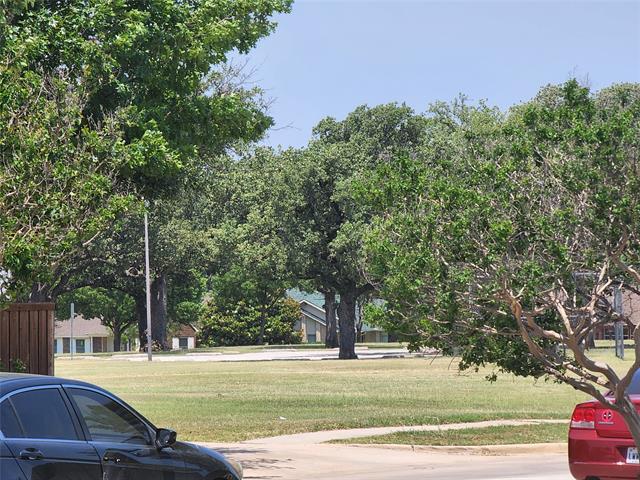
(71, 343)
(618, 327)
(148, 282)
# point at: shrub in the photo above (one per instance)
(240, 324)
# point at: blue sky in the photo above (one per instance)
(329, 56)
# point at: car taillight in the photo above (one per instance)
(584, 417)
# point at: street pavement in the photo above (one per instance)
(341, 462)
(269, 355)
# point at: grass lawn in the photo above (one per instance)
(237, 401)
(472, 437)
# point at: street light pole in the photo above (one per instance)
(73, 314)
(148, 284)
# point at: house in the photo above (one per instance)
(629, 303)
(89, 336)
(184, 338)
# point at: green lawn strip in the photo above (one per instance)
(504, 435)
(225, 402)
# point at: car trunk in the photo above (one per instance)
(610, 423)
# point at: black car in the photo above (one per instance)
(56, 429)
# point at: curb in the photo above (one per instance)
(485, 450)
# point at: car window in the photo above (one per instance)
(9, 425)
(108, 421)
(40, 413)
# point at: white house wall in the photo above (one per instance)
(175, 343)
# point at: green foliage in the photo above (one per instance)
(102, 103)
(114, 308)
(239, 324)
(58, 186)
(499, 209)
(15, 365)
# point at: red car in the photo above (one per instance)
(600, 445)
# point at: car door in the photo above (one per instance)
(9, 469)
(123, 440)
(44, 437)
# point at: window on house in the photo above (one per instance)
(80, 345)
(99, 344)
(183, 343)
(311, 338)
(66, 345)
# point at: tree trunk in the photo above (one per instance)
(347, 319)
(117, 339)
(331, 340)
(39, 294)
(141, 315)
(159, 312)
(632, 418)
(263, 323)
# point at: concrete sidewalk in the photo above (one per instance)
(329, 435)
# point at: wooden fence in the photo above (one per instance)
(26, 338)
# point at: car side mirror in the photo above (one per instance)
(165, 438)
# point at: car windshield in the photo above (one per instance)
(634, 387)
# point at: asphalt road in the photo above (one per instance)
(337, 462)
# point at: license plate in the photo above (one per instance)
(632, 456)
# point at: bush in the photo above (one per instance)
(15, 365)
(240, 324)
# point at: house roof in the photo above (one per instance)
(315, 298)
(186, 331)
(82, 328)
(313, 312)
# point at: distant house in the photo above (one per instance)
(629, 304)
(89, 336)
(372, 335)
(184, 338)
(312, 323)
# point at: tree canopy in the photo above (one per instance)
(143, 99)
(508, 237)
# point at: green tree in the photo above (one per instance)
(331, 222)
(509, 237)
(257, 254)
(181, 251)
(115, 309)
(154, 72)
(61, 181)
